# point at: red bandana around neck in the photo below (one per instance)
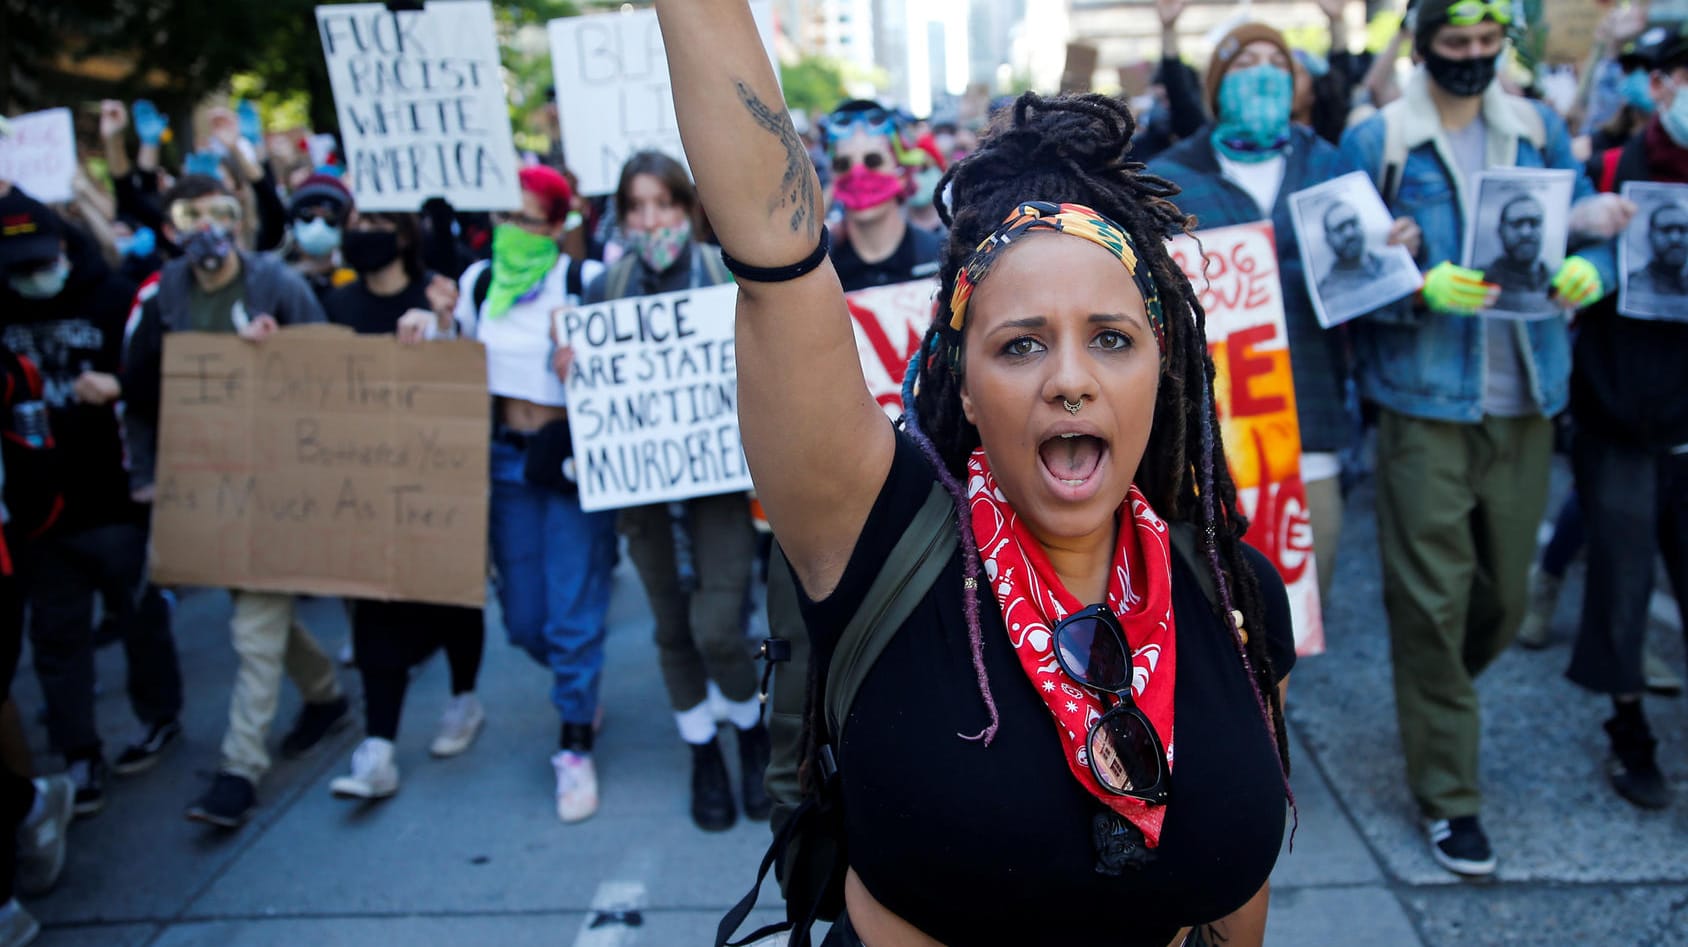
(1033, 599)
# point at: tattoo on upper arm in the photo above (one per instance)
(797, 185)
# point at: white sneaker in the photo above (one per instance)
(41, 843)
(459, 725)
(374, 776)
(577, 785)
(17, 926)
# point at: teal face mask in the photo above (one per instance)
(1254, 107)
(1637, 90)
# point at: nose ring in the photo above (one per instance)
(1072, 406)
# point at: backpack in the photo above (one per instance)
(807, 853)
(573, 283)
(29, 472)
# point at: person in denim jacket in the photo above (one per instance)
(1243, 168)
(1465, 401)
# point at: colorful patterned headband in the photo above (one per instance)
(1075, 219)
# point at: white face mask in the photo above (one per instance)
(44, 283)
(317, 237)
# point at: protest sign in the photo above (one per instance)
(1653, 253)
(1520, 219)
(889, 322)
(1342, 229)
(1237, 284)
(323, 462)
(420, 95)
(38, 155)
(613, 94)
(653, 398)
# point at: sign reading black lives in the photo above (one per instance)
(421, 104)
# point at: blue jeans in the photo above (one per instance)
(555, 564)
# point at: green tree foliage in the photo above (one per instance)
(813, 84)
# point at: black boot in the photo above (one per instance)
(753, 749)
(1632, 768)
(712, 794)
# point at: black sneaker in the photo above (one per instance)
(712, 794)
(1632, 768)
(315, 722)
(143, 754)
(227, 804)
(89, 775)
(1460, 846)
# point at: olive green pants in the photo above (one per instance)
(1458, 506)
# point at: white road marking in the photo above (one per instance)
(612, 897)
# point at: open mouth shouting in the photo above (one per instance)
(1073, 457)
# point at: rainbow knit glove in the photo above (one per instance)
(1577, 283)
(1457, 290)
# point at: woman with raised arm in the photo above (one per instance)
(1007, 772)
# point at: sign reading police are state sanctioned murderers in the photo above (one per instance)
(1237, 284)
(38, 155)
(653, 398)
(420, 97)
(613, 93)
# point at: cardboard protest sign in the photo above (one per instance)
(1237, 283)
(420, 96)
(889, 322)
(38, 155)
(613, 94)
(1519, 221)
(1342, 230)
(653, 398)
(323, 462)
(1653, 253)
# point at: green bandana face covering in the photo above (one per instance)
(519, 261)
(1254, 107)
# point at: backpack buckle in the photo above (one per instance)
(828, 762)
(774, 650)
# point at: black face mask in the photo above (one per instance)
(1463, 77)
(369, 250)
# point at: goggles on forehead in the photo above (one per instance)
(1471, 12)
(874, 121)
(191, 215)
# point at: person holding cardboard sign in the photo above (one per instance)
(215, 287)
(699, 631)
(553, 560)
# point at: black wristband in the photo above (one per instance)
(779, 274)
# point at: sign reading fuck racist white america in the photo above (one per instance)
(653, 398)
(421, 103)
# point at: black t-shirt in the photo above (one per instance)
(915, 257)
(355, 306)
(974, 844)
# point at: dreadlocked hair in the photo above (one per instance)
(1074, 149)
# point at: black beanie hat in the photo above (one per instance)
(1433, 15)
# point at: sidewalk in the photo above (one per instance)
(470, 852)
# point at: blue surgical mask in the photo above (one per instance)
(1254, 107)
(1637, 90)
(44, 283)
(1675, 118)
(317, 237)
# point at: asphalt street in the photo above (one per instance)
(470, 850)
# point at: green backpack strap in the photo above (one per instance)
(910, 568)
(906, 576)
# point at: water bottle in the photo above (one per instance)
(29, 420)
